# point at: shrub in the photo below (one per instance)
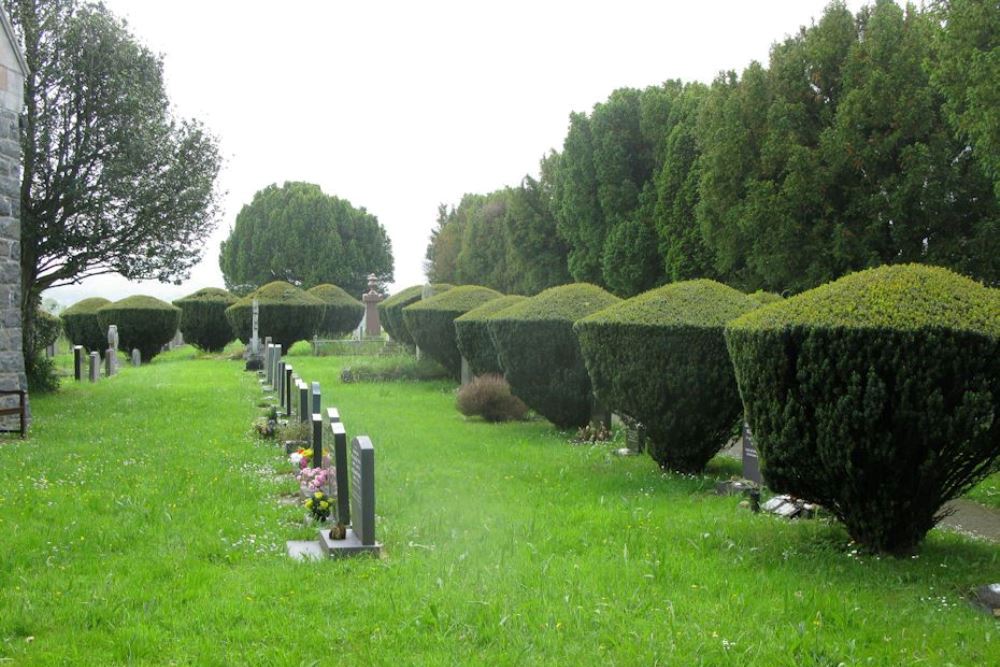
(488, 396)
(661, 359)
(343, 312)
(399, 367)
(540, 355)
(391, 310)
(287, 314)
(203, 319)
(431, 322)
(81, 325)
(143, 322)
(472, 335)
(765, 298)
(876, 396)
(46, 331)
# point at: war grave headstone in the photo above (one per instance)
(360, 537)
(95, 365)
(78, 362)
(136, 357)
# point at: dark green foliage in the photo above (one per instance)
(660, 358)
(343, 312)
(630, 263)
(392, 369)
(299, 234)
(472, 335)
(81, 325)
(488, 396)
(39, 369)
(875, 396)
(764, 298)
(391, 310)
(46, 331)
(203, 321)
(286, 314)
(540, 355)
(144, 323)
(431, 322)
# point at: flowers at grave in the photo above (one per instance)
(314, 479)
(319, 506)
(301, 457)
(264, 427)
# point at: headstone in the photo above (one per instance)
(255, 337)
(286, 386)
(371, 299)
(316, 398)
(363, 489)
(317, 441)
(466, 371)
(136, 357)
(278, 384)
(268, 351)
(109, 368)
(78, 362)
(303, 401)
(275, 360)
(751, 463)
(333, 415)
(95, 365)
(113, 336)
(340, 466)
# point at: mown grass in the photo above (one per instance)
(142, 524)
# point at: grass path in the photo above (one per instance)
(141, 525)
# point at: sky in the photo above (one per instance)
(401, 106)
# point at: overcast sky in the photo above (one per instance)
(400, 106)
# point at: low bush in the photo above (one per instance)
(391, 310)
(540, 355)
(472, 334)
(875, 396)
(431, 322)
(661, 359)
(46, 331)
(203, 318)
(399, 367)
(144, 323)
(81, 325)
(286, 313)
(343, 312)
(488, 396)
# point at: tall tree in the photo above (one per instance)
(112, 183)
(299, 234)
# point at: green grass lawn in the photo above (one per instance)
(141, 524)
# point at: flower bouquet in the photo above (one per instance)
(319, 506)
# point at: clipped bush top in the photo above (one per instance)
(210, 294)
(86, 306)
(332, 295)
(908, 296)
(764, 298)
(490, 308)
(279, 292)
(413, 292)
(694, 303)
(139, 302)
(458, 299)
(566, 303)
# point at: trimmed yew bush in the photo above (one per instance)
(540, 355)
(81, 325)
(203, 318)
(660, 358)
(144, 323)
(343, 312)
(46, 330)
(876, 396)
(431, 322)
(765, 298)
(472, 335)
(488, 396)
(391, 310)
(286, 313)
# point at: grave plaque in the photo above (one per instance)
(317, 441)
(751, 463)
(340, 465)
(136, 357)
(95, 365)
(316, 398)
(78, 362)
(363, 489)
(303, 401)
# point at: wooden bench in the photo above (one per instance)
(19, 410)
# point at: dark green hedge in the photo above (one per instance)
(144, 323)
(661, 358)
(765, 298)
(431, 322)
(391, 310)
(540, 355)
(343, 312)
(286, 313)
(876, 396)
(81, 325)
(203, 319)
(472, 335)
(46, 330)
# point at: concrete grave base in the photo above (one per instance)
(349, 546)
(300, 550)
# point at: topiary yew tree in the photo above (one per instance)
(391, 310)
(876, 396)
(472, 335)
(81, 325)
(431, 322)
(343, 312)
(287, 314)
(540, 355)
(203, 321)
(661, 359)
(144, 323)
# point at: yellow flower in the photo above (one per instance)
(317, 495)
(309, 503)
(323, 504)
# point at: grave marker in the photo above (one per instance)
(112, 365)
(78, 362)
(109, 369)
(317, 441)
(340, 465)
(278, 382)
(316, 398)
(286, 387)
(136, 357)
(363, 489)
(333, 415)
(95, 364)
(751, 462)
(303, 401)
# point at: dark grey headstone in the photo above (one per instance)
(78, 362)
(466, 372)
(340, 465)
(136, 357)
(303, 401)
(332, 415)
(363, 489)
(317, 441)
(751, 462)
(278, 381)
(286, 387)
(108, 364)
(316, 398)
(95, 366)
